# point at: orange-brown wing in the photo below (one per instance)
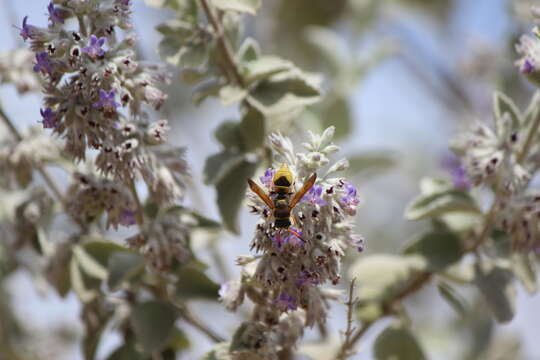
(264, 197)
(305, 188)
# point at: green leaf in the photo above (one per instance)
(264, 67)
(179, 340)
(379, 278)
(503, 104)
(498, 291)
(329, 45)
(430, 186)
(380, 275)
(206, 89)
(397, 343)
(253, 129)
(153, 323)
(370, 163)
(126, 351)
(448, 293)
(82, 285)
(245, 6)
(231, 190)
(193, 76)
(219, 352)
(193, 283)
(440, 248)
(229, 134)
(124, 266)
(219, 165)
(90, 265)
(176, 30)
(231, 94)
(432, 205)
(337, 112)
(249, 50)
(524, 268)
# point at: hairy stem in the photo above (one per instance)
(345, 350)
(140, 211)
(225, 47)
(44, 174)
(199, 325)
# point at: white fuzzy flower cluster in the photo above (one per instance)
(520, 218)
(489, 156)
(163, 242)
(19, 158)
(529, 50)
(90, 196)
(95, 90)
(16, 68)
(284, 281)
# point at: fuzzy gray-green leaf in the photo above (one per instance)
(153, 323)
(524, 268)
(498, 291)
(124, 266)
(253, 129)
(426, 206)
(440, 248)
(231, 191)
(193, 283)
(453, 298)
(397, 343)
(245, 6)
(219, 165)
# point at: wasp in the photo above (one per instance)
(285, 200)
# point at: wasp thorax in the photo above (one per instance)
(283, 177)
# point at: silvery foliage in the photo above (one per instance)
(507, 155)
(95, 90)
(285, 281)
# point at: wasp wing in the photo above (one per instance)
(264, 197)
(305, 188)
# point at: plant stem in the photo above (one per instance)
(345, 350)
(44, 174)
(140, 211)
(199, 325)
(228, 55)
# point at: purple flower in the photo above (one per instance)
(50, 119)
(527, 67)
(43, 63)
(357, 241)
(267, 178)
(282, 238)
(94, 47)
(26, 30)
(305, 278)
(452, 164)
(54, 14)
(349, 201)
(285, 302)
(106, 100)
(127, 218)
(313, 196)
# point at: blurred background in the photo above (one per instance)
(401, 78)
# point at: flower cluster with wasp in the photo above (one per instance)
(304, 229)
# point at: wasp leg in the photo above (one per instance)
(296, 234)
